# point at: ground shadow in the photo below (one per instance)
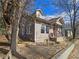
(4, 44)
(4, 51)
(17, 55)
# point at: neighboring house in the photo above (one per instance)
(77, 29)
(67, 30)
(36, 28)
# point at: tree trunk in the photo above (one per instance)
(74, 19)
(12, 11)
(15, 24)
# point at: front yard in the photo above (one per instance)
(37, 51)
(30, 50)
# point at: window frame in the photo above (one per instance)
(47, 28)
(28, 28)
(43, 28)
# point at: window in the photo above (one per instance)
(28, 29)
(47, 29)
(42, 29)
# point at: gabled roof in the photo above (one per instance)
(55, 20)
(51, 21)
(46, 19)
(42, 20)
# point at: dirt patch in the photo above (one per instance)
(3, 38)
(40, 51)
(75, 53)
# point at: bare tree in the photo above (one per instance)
(12, 12)
(71, 8)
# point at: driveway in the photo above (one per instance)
(67, 52)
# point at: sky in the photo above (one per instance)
(47, 7)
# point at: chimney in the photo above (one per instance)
(38, 13)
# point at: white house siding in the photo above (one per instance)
(40, 37)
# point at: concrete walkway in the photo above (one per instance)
(66, 53)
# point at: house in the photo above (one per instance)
(36, 27)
